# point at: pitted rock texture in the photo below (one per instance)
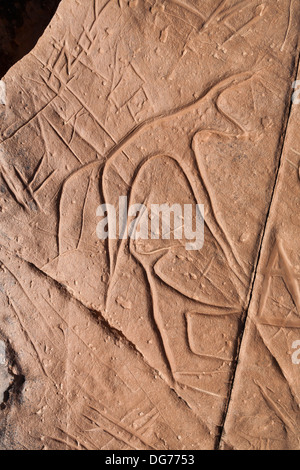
(143, 344)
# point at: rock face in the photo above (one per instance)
(145, 344)
(22, 22)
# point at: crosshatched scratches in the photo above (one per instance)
(162, 102)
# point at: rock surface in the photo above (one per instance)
(145, 344)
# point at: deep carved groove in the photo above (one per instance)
(22, 23)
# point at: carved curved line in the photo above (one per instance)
(156, 315)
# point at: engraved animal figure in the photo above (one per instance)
(221, 256)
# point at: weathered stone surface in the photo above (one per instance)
(22, 22)
(264, 410)
(135, 344)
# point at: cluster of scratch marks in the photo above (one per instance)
(71, 61)
(108, 423)
(279, 410)
(27, 326)
(62, 139)
(75, 446)
(214, 15)
(81, 101)
(157, 314)
(83, 210)
(289, 380)
(78, 436)
(35, 176)
(104, 422)
(156, 406)
(14, 183)
(277, 265)
(222, 308)
(66, 85)
(87, 436)
(90, 33)
(218, 227)
(23, 190)
(227, 13)
(97, 362)
(113, 426)
(64, 193)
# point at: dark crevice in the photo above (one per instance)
(15, 389)
(22, 23)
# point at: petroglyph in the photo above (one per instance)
(115, 101)
(2, 93)
(279, 266)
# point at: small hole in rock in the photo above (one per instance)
(22, 23)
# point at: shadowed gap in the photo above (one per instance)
(22, 23)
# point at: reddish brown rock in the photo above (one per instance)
(134, 344)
